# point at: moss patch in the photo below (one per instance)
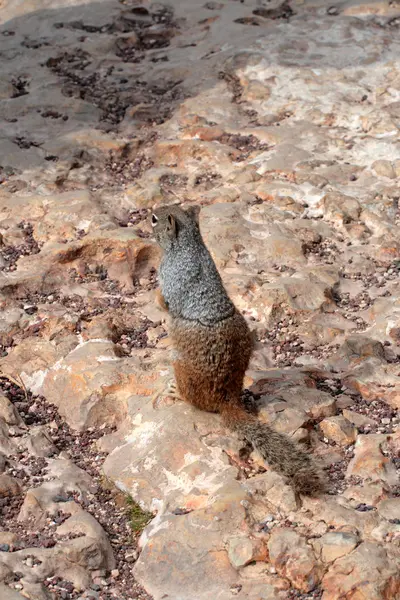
(139, 518)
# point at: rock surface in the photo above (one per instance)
(281, 120)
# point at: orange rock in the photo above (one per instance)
(365, 574)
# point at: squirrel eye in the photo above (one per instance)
(154, 220)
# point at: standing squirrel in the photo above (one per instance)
(213, 343)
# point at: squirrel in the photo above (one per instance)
(212, 344)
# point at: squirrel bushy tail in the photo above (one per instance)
(283, 455)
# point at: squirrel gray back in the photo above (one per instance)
(189, 280)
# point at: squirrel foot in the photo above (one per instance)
(167, 396)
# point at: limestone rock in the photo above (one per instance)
(92, 383)
(374, 380)
(168, 541)
(6, 537)
(9, 324)
(8, 412)
(369, 494)
(334, 545)
(357, 419)
(384, 168)
(339, 430)
(315, 403)
(7, 446)
(294, 559)
(389, 509)
(163, 443)
(273, 488)
(369, 462)
(283, 418)
(46, 498)
(341, 515)
(39, 443)
(286, 135)
(340, 208)
(9, 486)
(368, 569)
(80, 550)
(31, 359)
(244, 550)
(223, 225)
(358, 348)
(6, 593)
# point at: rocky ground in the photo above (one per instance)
(282, 121)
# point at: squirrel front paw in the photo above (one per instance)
(167, 396)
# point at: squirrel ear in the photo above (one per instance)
(193, 212)
(172, 225)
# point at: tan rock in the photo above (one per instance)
(286, 420)
(273, 488)
(339, 430)
(323, 328)
(181, 153)
(92, 384)
(83, 523)
(359, 347)
(31, 360)
(294, 559)
(46, 498)
(120, 251)
(343, 401)
(7, 446)
(300, 292)
(374, 380)
(368, 493)
(9, 324)
(334, 544)
(358, 419)
(367, 570)
(387, 532)
(162, 455)
(340, 208)
(256, 90)
(7, 537)
(384, 168)
(389, 509)
(341, 516)
(315, 403)
(72, 211)
(7, 593)
(8, 412)
(243, 550)
(7, 90)
(227, 232)
(369, 462)
(39, 443)
(9, 486)
(167, 562)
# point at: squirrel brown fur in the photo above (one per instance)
(213, 344)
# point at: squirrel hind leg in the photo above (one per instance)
(195, 387)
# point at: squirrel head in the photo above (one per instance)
(172, 224)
